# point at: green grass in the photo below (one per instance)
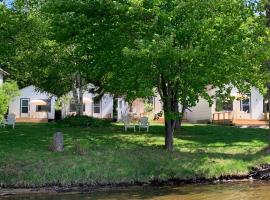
(113, 156)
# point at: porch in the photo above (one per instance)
(241, 119)
(31, 120)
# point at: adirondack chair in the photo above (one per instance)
(10, 120)
(128, 123)
(144, 123)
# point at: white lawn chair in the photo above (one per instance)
(144, 123)
(10, 120)
(128, 123)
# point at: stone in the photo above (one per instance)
(58, 142)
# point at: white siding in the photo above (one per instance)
(107, 106)
(201, 112)
(122, 109)
(30, 93)
(106, 103)
(256, 104)
(157, 104)
(1, 78)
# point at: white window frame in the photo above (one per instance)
(97, 105)
(249, 103)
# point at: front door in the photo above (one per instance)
(24, 110)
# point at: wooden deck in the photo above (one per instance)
(226, 118)
(31, 120)
(250, 123)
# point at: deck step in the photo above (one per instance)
(242, 122)
(31, 120)
(249, 122)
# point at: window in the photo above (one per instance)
(24, 105)
(24, 109)
(72, 106)
(44, 108)
(224, 105)
(245, 104)
(120, 104)
(96, 107)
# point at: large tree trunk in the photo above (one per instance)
(77, 90)
(80, 87)
(268, 63)
(268, 97)
(169, 130)
(167, 94)
(268, 66)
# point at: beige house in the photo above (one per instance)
(140, 108)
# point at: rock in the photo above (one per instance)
(262, 173)
(58, 142)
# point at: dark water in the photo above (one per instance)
(239, 191)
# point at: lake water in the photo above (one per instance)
(235, 191)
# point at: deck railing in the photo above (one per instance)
(223, 116)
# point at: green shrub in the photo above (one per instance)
(85, 121)
(8, 91)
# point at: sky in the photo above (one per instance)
(7, 2)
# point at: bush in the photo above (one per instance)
(85, 121)
(8, 91)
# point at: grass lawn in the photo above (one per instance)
(114, 156)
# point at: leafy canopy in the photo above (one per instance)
(8, 91)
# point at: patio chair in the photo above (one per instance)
(10, 120)
(128, 123)
(144, 123)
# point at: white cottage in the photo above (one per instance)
(33, 106)
(245, 109)
(102, 108)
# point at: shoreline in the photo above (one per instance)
(256, 174)
(88, 188)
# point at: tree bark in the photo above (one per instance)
(168, 102)
(80, 87)
(268, 64)
(169, 129)
(268, 97)
(77, 90)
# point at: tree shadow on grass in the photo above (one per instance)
(35, 136)
(115, 155)
(211, 134)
